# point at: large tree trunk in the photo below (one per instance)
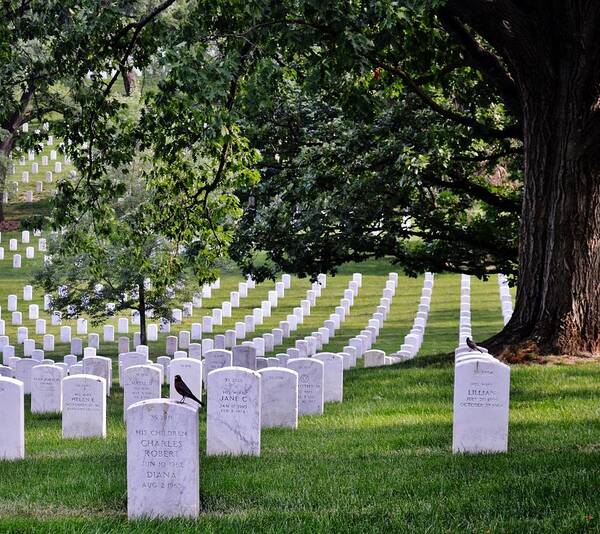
(557, 308)
(142, 311)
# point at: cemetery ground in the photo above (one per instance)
(379, 461)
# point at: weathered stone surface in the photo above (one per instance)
(481, 400)
(279, 397)
(163, 464)
(12, 419)
(244, 356)
(84, 406)
(310, 384)
(140, 382)
(215, 359)
(46, 389)
(233, 412)
(99, 366)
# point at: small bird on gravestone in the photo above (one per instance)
(182, 388)
(470, 343)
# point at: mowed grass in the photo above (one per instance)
(379, 461)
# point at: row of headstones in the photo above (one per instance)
(241, 328)
(464, 319)
(13, 246)
(414, 339)
(183, 340)
(81, 399)
(316, 341)
(505, 298)
(481, 391)
(266, 343)
(35, 167)
(33, 314)
(25, 239)
(152, 330)
(285, 397)
(162, 435)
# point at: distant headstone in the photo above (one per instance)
(215, 359)
(46, 389)
(108, 333)
(84, 406)
(310, 384)
(279, 397)
(49, 342)
(233, 412)
(140, 382)
(76, 346)
(123, 345)
(195, 351)
(99, 366)
(23, 369)
(244, 356)
(374, 358)
(333, 378)
(65, 334)
(171, 345)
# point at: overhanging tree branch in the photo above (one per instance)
(458, 182)
(513, 131)
(483, 60)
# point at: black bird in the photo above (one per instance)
(470, 343)
(182, 388)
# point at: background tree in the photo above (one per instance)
(151, 254)
(128, 272)
(52, 52)
(171, 216)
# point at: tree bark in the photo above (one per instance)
(142, 311)
(557, 309)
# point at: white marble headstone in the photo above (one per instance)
(140, 382)
(333, 379)
(12, 419)
(84, 406)
(279, 397)
(310, 384)
(481, 400)
(46, 389)
(244, 356)
(215, 359)
(163, 464)
(233, 412)
(99, 366)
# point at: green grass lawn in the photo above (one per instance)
(380, 461)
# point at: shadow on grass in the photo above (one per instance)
(442, 359)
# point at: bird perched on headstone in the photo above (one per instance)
(182, 388)
(470, 343)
